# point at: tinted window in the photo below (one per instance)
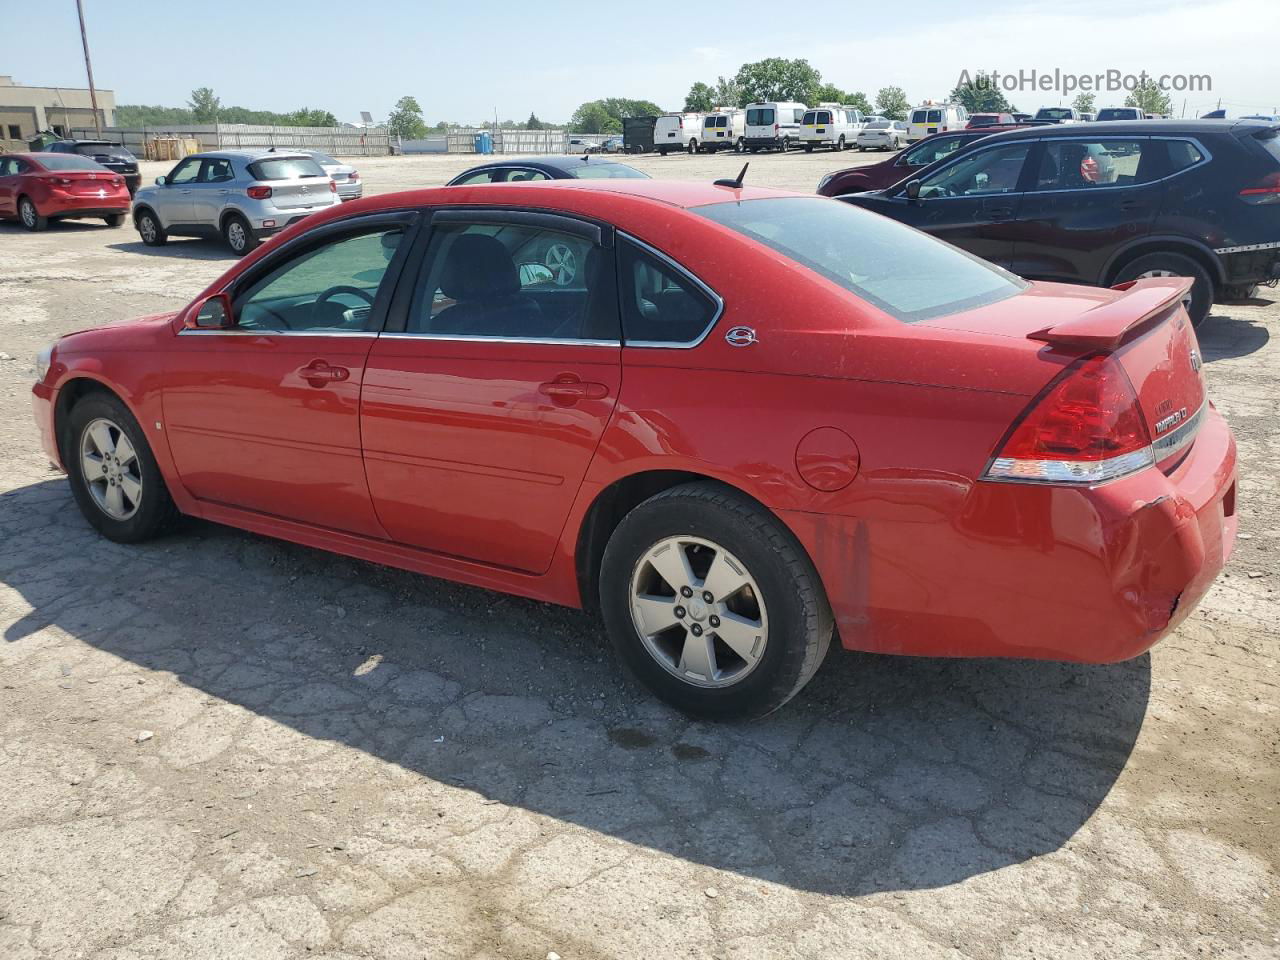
(514, 282)
(607, 171)
(68, 161)
(1270, 142)
(303, 293)
(760, 117)
(935, 116)
(660, 304)
(1082, 164)
(878, 259)
(1054, 113)
(1118, 113)
(285, 168)
(932, 149)
(811, 117)
(991, 171)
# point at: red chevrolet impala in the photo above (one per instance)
(735, 420)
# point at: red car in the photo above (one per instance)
(38, 187)
(733, 419)
(877, 176)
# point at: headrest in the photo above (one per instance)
(478, 266)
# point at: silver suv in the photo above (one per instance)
(242, 196)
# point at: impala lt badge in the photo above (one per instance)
(1172, 420)
(741, 337)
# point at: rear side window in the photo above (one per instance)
(1270, 142)
(760, 117)
(661, 304)
(1083, 164)
(285, 168)
(878, 259)
(1183, 154)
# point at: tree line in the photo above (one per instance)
(206, 107)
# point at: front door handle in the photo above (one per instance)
(568, 389)
(320, 372)
(997, 213)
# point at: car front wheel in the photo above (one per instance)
(712, 603)
(149, 229)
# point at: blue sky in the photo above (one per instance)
(463, 60)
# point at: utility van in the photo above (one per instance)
(724, 129)
(773, 125)
(677, 131)
(930, 118)
(830, 125)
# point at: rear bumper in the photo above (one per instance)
(775, 142)
(43, 399)
(1046, 572)
(1256, 263)
(261, 232)
(65, 205)
(351, 191)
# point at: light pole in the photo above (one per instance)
(93, 94)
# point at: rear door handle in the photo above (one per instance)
(569, 388)
(1130, 204)
(321, 372)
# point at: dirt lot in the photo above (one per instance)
(218, 745)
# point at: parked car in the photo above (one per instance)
(579, 146)
(910, 161)
(1110, 204)
(882, 135)
(724, 130)
(1057, 115)
(1111, 114)
(830, 125)
(404, 398)
(242, 196)
(773, 125)
(677, 132)
(1021, 117)
(1086, 118)
(612, 145)
(38, 187)
(930, 118)
(989, 120)
(344, 175)
(547, 168)
(113, 156)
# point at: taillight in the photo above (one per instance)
(1268, 191)
(1085, 428)
(333, 187)
(117, 182)
(354, 176)
(258, 193)
(775, 128)
(62, 181)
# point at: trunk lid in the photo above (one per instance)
(300, 194)
(85, 183)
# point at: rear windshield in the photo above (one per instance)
(102, 149)
(1054, 113)
(908, 274)
(760, 117)
(68, 161)
(878, 125)
(324, 158)
(918, 116)
(285, 168)
(607, 171)
(1117, 113)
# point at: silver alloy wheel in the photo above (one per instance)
(236, 236)
(562, 263)
(147, 227)
(699, 612)
(111, 469)
(1186, 300)
(28, 214)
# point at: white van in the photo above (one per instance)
(830, 125)
(724, 130)
(773, 125)
(930, 118)
(677, 131)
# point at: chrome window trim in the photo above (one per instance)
(715, 298)
(238, 331)
(1181, 438)
(464, 338)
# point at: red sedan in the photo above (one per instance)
(737, 421)
(38, 187)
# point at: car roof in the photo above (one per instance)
(248, 154)
(677, 193)
(1139, 128)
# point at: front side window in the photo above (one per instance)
(986, 172)
(186, 171)
(514, 281)
(329, 289)
(661, 304)
(1083, 164)
(878, 259)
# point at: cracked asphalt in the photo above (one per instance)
(221, 746)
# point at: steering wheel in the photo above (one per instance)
(344, 288)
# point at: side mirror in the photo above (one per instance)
(214, 313)
(161, 181)
(913, 189)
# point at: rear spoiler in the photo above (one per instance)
(1105, 327)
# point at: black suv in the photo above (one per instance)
(1104, 203)
(114, 157)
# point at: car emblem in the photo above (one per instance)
(305, 189)
(1196, 362)
(1172, 420)
(741, 337)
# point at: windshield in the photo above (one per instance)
(68, 161)
(878, 259)
(760, 117)
(1054, 113)
(607, 171)
(285, 168)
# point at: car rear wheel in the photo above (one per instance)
(238, 235)
(149, 229)
(808, 148)
(30, 216)
(1175, 265)
(114, 220)
(693, 146)
(740, 146)
(114, 477)
(712, 603)
(839, 145)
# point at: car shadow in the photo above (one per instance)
(885, 774)
(1226, 336)
(89, 224)
(190, 249)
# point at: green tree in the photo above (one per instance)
(778, 79)
(725, 92)
(892, 103)
(1084, 102)
(406, 120)
(306, 117)
(858, 100)
(1148, 97)
(699, 99)
(533, 123)
(980, 95)
(828, 93)
(606, 116)
(205, 107)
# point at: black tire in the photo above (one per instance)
(114, 220)
(786, 144)
(839, 145)
(30, 217)
(808, 148)
(739, 147)
(693, 146)
(1178, 265)
(861, 148)
(156, 511)
(149, 229)
(799, 618)
(662, 152)
(238, 235)
(1239, 291)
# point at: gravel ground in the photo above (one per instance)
(218, 745)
